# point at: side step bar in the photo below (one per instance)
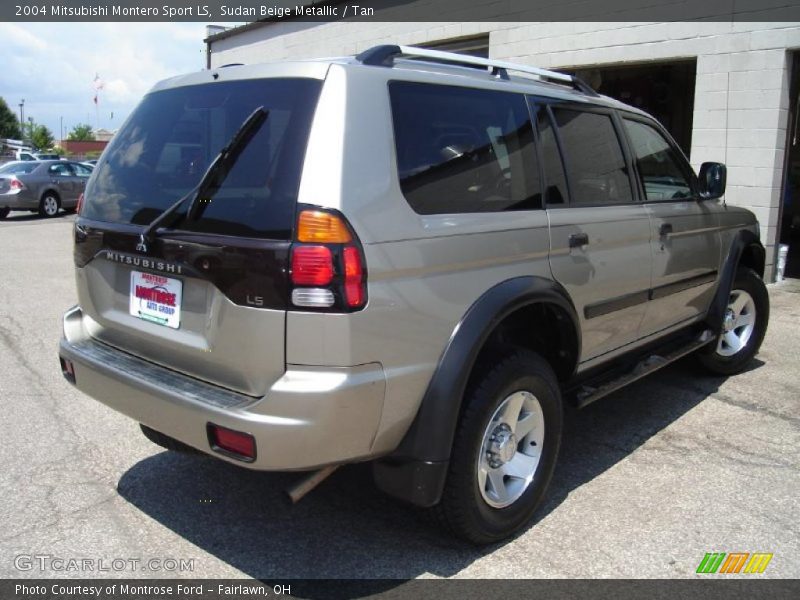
(588, 394)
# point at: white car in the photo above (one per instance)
(28, 155)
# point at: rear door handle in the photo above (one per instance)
(665, 229)
(576, 240)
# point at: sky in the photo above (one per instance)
(52, 66)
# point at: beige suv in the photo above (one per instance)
(407, 257)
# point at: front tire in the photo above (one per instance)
(744, 326)
(4, 212)
(505, 450)
(49, 204)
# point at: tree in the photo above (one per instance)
(9, 124)
(81, 133)
(40, 136)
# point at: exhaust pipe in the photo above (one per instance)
(298, 491)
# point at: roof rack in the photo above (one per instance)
(384, 55)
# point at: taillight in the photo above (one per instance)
(79, 206)
(327, 269)
(16, 184)
(312, 265)
(320, 226)
(236, 444)
(67, 369)
(353, 277)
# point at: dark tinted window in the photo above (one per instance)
(556, 192)
(594, 159)
(171, 138)
(657, 162)
(464, 150)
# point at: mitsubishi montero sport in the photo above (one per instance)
(407, 257)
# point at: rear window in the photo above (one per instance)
(172, 137)
(18, 168)
(462, 150)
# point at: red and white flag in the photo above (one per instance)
(98, 85)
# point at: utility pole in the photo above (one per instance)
(61, 130)
(22, 116)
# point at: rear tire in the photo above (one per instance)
(4, 212)
(49, 204)
(496, 480)
(744, 326)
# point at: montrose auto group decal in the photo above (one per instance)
(155, 298)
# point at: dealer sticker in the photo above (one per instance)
(156, 298)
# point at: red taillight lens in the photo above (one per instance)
(312, 265)
(16, 184)
(79, 205)
(243, 445)
(353, 277)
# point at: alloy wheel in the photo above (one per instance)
(510, 450)
(738, 324)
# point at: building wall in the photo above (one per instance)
(741, 97)
(74, 147)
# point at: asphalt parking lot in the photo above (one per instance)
(650, 479)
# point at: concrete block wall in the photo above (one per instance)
(741, 110)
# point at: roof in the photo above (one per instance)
(231, 31)
(450, 69)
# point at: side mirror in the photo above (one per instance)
(713, 177)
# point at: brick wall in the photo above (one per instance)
(81, 148)
(742, 88)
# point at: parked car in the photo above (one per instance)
(41, 186)
(27, 155)
(402, 259)
(89, 164)
(23, 155)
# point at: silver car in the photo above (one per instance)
(42, 186)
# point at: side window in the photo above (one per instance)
(81, 170)
(556, 181)
(62, 169)
(658, 163)
(593, 155)
(462, 150)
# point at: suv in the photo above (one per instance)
(399, 258)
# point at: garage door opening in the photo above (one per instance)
(789, 233)
(664, 89)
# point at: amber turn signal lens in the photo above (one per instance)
(321, 227)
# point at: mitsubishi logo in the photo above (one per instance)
(142, 245)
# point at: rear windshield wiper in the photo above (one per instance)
(212, 179)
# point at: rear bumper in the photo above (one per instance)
(18, 201)
(312, 416)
